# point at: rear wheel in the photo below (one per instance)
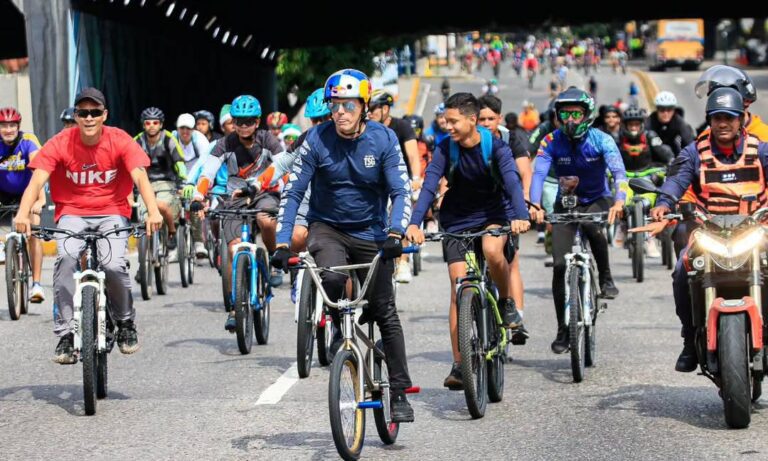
(496, 364)
(387, 429)
(473, 363)
(88, 352)
(305, 329)
(638, 257)
(243, 310)
(182, 255)
(416, 263)
(191, 256)
(733, 357)
(161, 270)
(576, 326)
(347, 420)
(226, 281)
(325, 335)
(12, 279)
(145, 268)
(261, 317)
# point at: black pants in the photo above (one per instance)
(331, 247)
(562, 241)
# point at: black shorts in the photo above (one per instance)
(455, 251)
(231, 227)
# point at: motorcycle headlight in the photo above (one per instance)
(730, 255)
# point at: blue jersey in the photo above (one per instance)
(588, 158)
(352, 182)
(14, 163)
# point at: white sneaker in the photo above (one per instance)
(173, 256)
(651, 250)
(619, 237)
(403, 272)
(200, 250)
(37, 295)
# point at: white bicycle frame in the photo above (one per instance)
(579, 259)
(95, 279)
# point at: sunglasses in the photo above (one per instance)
(84, 113)
(291, 138)
(349, 106)
(570, 114)
(151, 122)
(245, 121)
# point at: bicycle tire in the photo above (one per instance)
(242, 306)
(639, 249)
(576, 331)
(473, 363)
(347, 420)
(12, 285)
(145, 270)
(88, 353)
(181, 242)
(305, 328)
(387, 431)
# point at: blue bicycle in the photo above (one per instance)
(251, 292)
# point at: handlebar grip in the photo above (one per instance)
(294, 261)
(411, 249)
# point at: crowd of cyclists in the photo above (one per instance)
(362, 182)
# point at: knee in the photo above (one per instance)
(333, 281)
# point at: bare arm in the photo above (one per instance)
(526, 175)
(154, 219)
(31, 194)
(412, 154)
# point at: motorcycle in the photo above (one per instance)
(726, 264)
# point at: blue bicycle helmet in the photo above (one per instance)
(316, 106)
(245, 106)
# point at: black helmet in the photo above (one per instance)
(611, 110)
(633, 113)
(416, 121)
(721, 76)
(152, 113)
(204, 114)
(576, 97)
(68, 115)
(725, 100)
(380, 98)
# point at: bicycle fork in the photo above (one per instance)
(579, 262)
(96, 280)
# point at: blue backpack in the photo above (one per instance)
(486, 144)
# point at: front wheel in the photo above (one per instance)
(145, 268)
(191, 256)
(306, 328)
(88, 352)
(182, 255)
(473, 363)
(344, 392)
(13, 283)
(638, 256)
(243, 310)
(576, 326)
(161, 270)
(264, 293)
(733, 357)
(416, 263)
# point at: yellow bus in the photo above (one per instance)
(675, 42)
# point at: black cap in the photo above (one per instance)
(93, 94)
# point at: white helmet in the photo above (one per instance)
(186, 121)
(665, 99)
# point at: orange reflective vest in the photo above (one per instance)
(737, 188)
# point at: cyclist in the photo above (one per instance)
(166, 167)
(67, 117)
(92, 171)
(379, 110)
(225, 120)
(575, 149)
(204, 122)
(246, 153)
(275, 122)
(612, 122)
(436, 131)
(356, 167)
(669, 124)
(17, 151)
(289, 134)
(644, 155)
(193, 144)
(474, 201)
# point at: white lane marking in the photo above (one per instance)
(276, 391)
(680, 81)
(423, 102)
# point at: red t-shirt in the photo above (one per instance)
(91, 180)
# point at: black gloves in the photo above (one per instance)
(392, 248)
(280, 258)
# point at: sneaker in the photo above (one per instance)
(402, 412)
(619, 237)
(200, 251)
(65, 350)
(231, 324)
(403, 272)
(687, 361)
(127, 339)
(37, 295)
(540, 238)
(561, 342)
(651, 249)
(454, 381)
(510, 316)
(276, 278)
(173, 256)
(608, 289)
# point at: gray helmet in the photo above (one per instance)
(206, 115)
(725, 100)
(152, 113)
(721, 76)
(68, 115)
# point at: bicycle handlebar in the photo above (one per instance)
(45, 233)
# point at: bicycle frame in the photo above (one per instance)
(579, 258)
(247, 249)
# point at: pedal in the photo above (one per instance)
(517, 337)
(413, 390)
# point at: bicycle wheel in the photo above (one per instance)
(668, 247)
(161, 270)
(88, 353)
(24, 277)
(191, 256)
(243, 310)
(590, 349)
(226, 281)
(639, 253)
(12, 280)
(145, 268)
(210, 243)
(325, 335)
(261, 317)
(496, 364)
(347, 420)
(305, 329)
(416, 263)
(181, 240)
(101, 360)
(473, 363)
(576, 326)
(387, 429)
